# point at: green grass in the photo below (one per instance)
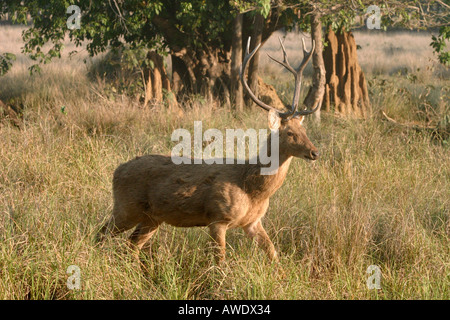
(379, 195)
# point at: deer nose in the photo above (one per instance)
(314, 155)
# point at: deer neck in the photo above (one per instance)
(272, 182)
(262, 186)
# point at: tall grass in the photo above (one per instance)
(379, 195)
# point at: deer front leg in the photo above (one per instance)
(256, 231)
(218, 231)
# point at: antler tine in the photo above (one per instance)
(297, 74)
(306, 55)
(285, 62)
(247, 58)
(308, 112)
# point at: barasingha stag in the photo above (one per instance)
(151, 190)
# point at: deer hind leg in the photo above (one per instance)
(257, 232)
(218, 232)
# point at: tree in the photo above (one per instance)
(198, 35)
(256, 38)
(236, 61)
(317, 90)
(156, 79)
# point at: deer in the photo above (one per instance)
(151, 190)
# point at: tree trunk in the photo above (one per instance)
(346, 87)
(237, 93)
(180, 77)
(256, 39)
(207, 68)
(157, 80)
(317, 90)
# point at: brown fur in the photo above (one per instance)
(150, 190)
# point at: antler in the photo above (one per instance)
(247, 58)
(297, 75)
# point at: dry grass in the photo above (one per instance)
(378, 196)
(384, 53)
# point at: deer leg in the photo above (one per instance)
(257, 232)
(142, 234)
(218, 231)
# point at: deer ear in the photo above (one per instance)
(274, 120)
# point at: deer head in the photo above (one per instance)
(293, 138)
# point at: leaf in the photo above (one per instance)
(10, 56)
(35, 68)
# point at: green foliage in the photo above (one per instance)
(172, 25)
(107, 24)
(264, 7)
(439, 45)
(6, 60)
